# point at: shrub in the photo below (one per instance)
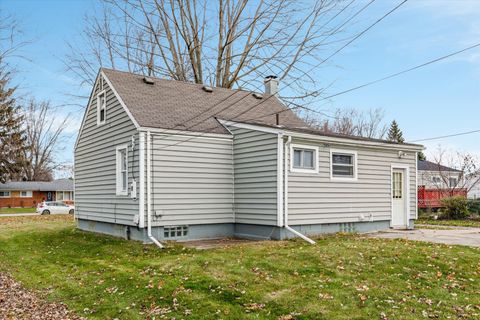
(455, 207)
(474, 206)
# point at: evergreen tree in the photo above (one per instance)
(421, 156)
(394, 133)
(12, 140)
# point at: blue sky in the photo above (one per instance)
(440, 99)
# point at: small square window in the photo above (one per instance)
(304, 159)
(343, 164)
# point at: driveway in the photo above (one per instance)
(450, 235)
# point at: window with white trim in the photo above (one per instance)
(436, 180)
(304, 158)
(26, 194)
(452, 182)
(122, 170)
(343, 164)
(4, 194)
(101, 108)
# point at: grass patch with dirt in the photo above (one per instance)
(17, 210)
(457, 223)
(342, 277)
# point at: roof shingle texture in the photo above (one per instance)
(55, 185)
(186, 106)
(425, 165)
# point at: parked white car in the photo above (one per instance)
(54, 207)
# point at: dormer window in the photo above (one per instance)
(101, 108)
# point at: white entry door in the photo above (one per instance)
(399, 205)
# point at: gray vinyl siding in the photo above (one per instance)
(255, 158)
(316, 198)
(192, 180)
(95, 164)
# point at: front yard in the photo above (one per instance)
(342, 277)
(17, 210)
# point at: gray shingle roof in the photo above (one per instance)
(332, 134)
(169, 104)
(425, 165)
(55, 185)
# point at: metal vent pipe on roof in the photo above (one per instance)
(271, 85)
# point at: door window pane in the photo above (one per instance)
(397, 185)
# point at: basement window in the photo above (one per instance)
(175, 232)
(101, 108)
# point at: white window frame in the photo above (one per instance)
(355, 164)
(450, 180)
(120, 191)
(315, 158)
(9, 194)
(99, 107)
(29, 194)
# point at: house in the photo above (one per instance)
(435, 182)
(29, 193)
(168, 160)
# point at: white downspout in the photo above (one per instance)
(285, 193)
(141, 187)
(149, 191)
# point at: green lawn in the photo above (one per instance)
(342, 277)
(17, 210)
(458, 223)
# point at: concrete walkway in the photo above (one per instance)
(453, 235)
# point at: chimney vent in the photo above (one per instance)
(207, 88)
(271, 85)
(148, 80)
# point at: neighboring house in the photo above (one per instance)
(436, 182)
(29, 193)
(170, 160)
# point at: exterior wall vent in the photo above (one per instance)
(207, 89)
(257, 95)
(148, 80)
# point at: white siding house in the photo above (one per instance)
(168, 160)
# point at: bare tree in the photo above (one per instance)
(349, 121)
(227, 43)
(43, 134)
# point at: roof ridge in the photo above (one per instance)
(200, 85)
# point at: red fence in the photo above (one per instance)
(431, 198)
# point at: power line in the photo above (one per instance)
(402, 72)
(447, 136)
